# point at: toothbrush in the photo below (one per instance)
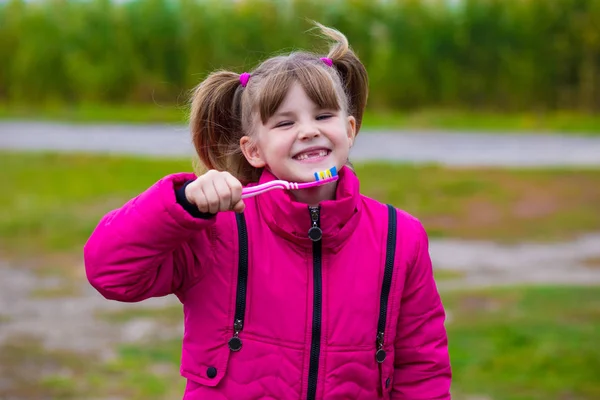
(321, 177)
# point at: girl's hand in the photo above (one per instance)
(215, 191)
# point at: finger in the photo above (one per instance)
(236, 189)
(239, 206)
(199, 199)
(191, 192)
(223, 192)
(212, 198)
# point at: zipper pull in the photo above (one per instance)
(314, 233)
(380, 354)
(235, 343)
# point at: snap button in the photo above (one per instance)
(315, 233)
(380, 356)
(211, 372)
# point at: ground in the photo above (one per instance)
(51, 319)
(516, 255)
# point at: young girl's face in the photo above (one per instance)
(300, 139)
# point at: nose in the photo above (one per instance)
(308, 131)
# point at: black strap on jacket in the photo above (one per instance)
(235, 343)
(390, 254)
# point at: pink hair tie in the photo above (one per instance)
(327, 61)
(244, 78)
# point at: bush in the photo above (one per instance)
(471, 54)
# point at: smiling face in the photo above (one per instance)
(300, 138)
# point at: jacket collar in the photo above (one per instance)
(291, 219)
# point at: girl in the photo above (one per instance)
(318, 293)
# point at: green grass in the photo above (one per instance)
(169, 315)
(137, 373)
(64, 290)
(490, 203)
(477, 122)
(50, 203)
(86, 113)
(447, 274)
(524, 343)
(569, 122)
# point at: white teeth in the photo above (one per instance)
(311, 154)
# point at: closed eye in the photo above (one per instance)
(284, 124)
(324, 116)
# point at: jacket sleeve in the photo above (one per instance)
(422, 363)
(143, 249)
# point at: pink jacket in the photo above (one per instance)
(291, 318)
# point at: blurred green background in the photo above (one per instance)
(474, 65)
(430, 62)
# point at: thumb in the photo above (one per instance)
(239, 206)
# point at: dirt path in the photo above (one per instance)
(446, 148)
(486, 264)
(72, 322)
(49, 331)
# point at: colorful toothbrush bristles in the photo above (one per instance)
(328, 173)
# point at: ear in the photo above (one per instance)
(251, 152)
(351, 129)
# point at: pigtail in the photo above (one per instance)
(351, 70)
(216, 126)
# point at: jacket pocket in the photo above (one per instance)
(205, 363)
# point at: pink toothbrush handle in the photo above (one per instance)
(265, 187)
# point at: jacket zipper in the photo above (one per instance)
(235, 343)
(315, 234)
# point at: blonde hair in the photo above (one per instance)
(222, 110)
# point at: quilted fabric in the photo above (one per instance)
(152, 247)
